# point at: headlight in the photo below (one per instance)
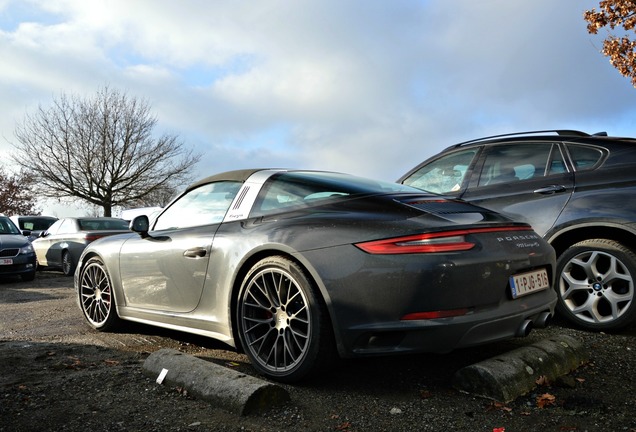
(26, 249)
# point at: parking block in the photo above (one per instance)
(513, 374)
(223, 387)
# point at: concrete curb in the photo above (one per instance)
(508, 376)
(221, 386)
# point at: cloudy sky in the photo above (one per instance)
(369, 87)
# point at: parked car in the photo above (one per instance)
(576, 190)
(61, 245)
(16, 253)
(33, 226)
(291, 266)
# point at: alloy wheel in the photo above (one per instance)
(596, 287)
(276, 320)
(96, 294)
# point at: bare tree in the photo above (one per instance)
(620, 50)
(16, 194)
(101, 150)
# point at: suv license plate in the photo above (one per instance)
(527, 283)
(6, 261)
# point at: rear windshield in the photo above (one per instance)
(102, 224)
(287, 190)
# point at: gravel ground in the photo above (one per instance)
(59, 375)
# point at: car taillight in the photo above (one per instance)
(92, 237)
(447, 241)
(435, 314)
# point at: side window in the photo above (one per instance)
(67, 227)
(515, 162)
(204, 205)
(55, 227)
(294, 191)
(443, 175)
(557, 164)
(584, 157)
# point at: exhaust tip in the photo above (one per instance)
(543, 320)
(525, 328)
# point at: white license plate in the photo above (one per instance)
(6, 261)
(527, 283)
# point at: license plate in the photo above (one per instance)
(529, 282)
(6, 261)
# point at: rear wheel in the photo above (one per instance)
(68, 267)
(283, 325)
(596, 284)
(96, 296)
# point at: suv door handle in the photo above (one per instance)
(195, 253)
(549, 190)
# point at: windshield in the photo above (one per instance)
(7, 227)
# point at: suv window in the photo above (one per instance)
(584, 157)
(443, 175)
(516, 162)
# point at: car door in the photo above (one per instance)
(167, 270)
(527, 181)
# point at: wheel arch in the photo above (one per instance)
(562, 240)
(257, 256)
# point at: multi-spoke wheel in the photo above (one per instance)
(596, 284)
(68, 266)
(283, 326)
(96, 296)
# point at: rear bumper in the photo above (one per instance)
(447, 334)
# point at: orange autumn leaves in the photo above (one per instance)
(620, 50)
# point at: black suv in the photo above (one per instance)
(575, 189)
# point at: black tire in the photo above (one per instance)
(68, 266)
(96, 297)
(27, 277)
(596, 285)
(283, 326)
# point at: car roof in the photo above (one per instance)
(236, 175)
(542, 135)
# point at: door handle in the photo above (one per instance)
(195, 253)
(549, 190)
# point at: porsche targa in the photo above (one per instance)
(297, 267)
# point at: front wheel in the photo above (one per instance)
(68, 267)
(96, 297)
(283, 326)
(596, 285)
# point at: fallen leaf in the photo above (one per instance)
(545, 400)
(343, 426)
(542, 381)
(498, 406)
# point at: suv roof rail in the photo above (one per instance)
(559, 132)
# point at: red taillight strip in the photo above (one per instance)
(92, 237)
(435, 314)
(445, 241)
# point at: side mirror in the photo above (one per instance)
(140, 224)
(26, 233)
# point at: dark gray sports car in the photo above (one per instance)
(297, 267)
